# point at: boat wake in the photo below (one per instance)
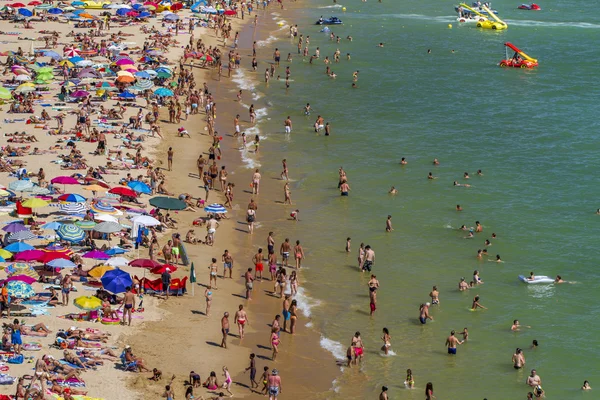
(583, 25)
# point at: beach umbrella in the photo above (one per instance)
(123, 191)
(23, 78)
(116, 281)
(144, 263)
(119, 6)
(20, 185)
(16, 5)
(108, 227)
(43, 6)
(29, 255)
(122, 11)
(146, 220)
(144, 14)
(15, 227)
(34, 3)
(86, 16)
(87, 74)
(167, 203)
(52, 225)
(76, 59)
(56, 255)
(163, 74)
(164, 92)
(61, 263)
(21, 278)
(97, 255)
(127, 95)
(95, 188)
(176, 6)
(38, 190)
(17, 247)
(100, 270)
(88, 303)
(22, 235)
(67, 180)
(71, 233)
(171, 17)
(125, 61)
(86, 225)
(20, 290)
(163, 268)
(21, 269)
(79, 94)
(77, 3)
(71, 52)
(124, 73)
(73, 208)
(67, 63)
(115, 251)
(104, 208)
(5, 253)
(34, 202)
(105, 218)
(139, 187)
(25, 12)
(72, 198)
(215, 208)
(125, 79)
(117, 262)
(5, 94)
(55, 11)
(5, 193)
(142, 85)
(142, 74)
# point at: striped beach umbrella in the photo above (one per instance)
(71, 233)
(108, 227)
(215, 208)
(73, 208)
(104, 208)
(20, 185)
(86, 225)
(22, 235)
(72, 198)
(21, 269)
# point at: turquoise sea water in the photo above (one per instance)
(534, 135)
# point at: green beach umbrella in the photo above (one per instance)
(5, 93)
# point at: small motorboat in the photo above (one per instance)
(459, 8)
(468, 17)
(531, 6)
(329, 21)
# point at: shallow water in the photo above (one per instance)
(532, 132)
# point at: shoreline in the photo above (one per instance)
(291, 360)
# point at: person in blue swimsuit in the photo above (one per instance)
(15, 337)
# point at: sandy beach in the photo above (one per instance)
(174, 336)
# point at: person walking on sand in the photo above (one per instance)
(252, 369)
(258, 265)
(274, 343)
(170, 153)
(66, 287)
(287, 194)
(293, 316)
(241, 319)
(208, 297)
(166, 282)
(212, 268)
(250, 218)
(284, 250)
(128, 304)
(249, 283)
(227, 263)
(387, 341)
(298, 254)
(224, 329)
(274, 385)
(255, 181)
(284, 173)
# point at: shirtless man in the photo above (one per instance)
(249, 283)
(463, 285)
(368, 260)
(534, 380)
(241, 318)
(383, 395)
(284, 173)
(258, 265)
(518, 359)
(256, 181)
(274, 385)
(227, 263)
(128, 304)
(452, 342)
(236, 125)
(211, 228)
(224, 329)
(424, 313)
(388, 224)
(288, 125)
(435, 295)
(285, 252)
(66, 286)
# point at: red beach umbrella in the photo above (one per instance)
(161, 269)
(144, 263)
(176, 6)
(53, 255)
(123, 191)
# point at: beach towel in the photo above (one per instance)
(32, 346)
(71, 382)
(65, 362)
(6, 379)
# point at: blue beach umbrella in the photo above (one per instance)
(52, 225)
(142, 74)
(52, 54)
(20, 290)
(116, 281)
(22, 235)
(75, 59)
(127, 95)
(55, 11)
(73, 198)
(123, 11)
(115, 250)
(18, 247)
(77, 3)
(71, 233)
(61, 263)
(171, 17)
(163, 92)
(15, 227)
(139, 187)
(77, 12)
(144, 14)
(25, 12)
(137, 6)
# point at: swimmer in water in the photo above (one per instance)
(516, 326)
(461, 184)
(487, 242)
(586, 386)
(435, 295)
(534, 344)
(493, 236)
(458, 207)
(380, 44)
(498, 259)
(470, 236)
(476, 304)
(558, 279)
(479, 172)
(430, 176)
(465, 334)
(393, 190)
(403, 161)
(466, 175)
(307, 109)
(388, 224)
(463, 228)
(463, 285)
(436, 162)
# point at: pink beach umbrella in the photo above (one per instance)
(96, 254)
(23, 278)
(125, 61)
(65, 180)
(71, 52)
(78, 94)
(30, 255)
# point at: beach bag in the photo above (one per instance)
(16, 359)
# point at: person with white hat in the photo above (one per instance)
(274, 385)
(166, 281)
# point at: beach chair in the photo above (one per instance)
(132, 366)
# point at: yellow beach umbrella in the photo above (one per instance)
(4, 193)
(67, 63)
(95, 188)
(34, 202)
(100, 270)
(88, 303)
(5, 254)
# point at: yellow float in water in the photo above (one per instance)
(449, 26)
(344, 9)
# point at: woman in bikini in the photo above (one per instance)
(208, 296)
(386, 341)
(294, 283)
(272, 265)
(274, 342)
(293, 317)
(298, 254)
(211, 382)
